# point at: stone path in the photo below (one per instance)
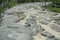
(29, 22)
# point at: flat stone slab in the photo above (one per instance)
(31, 21)
(50, 39)
(47, 34)
(55, 27)
(45, 21)
(20, 36)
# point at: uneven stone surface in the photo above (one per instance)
(45, 21)
(47, 34)
(29, 22)
(50, 39)
(55, 27)
(57, 38)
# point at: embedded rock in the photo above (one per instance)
(47, 34)
(45, 21)
(31, 21)
(50, 39)
(55, 27)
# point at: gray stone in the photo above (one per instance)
(55, 14)
(6, 38)
(57, 38)
(58, 22)
(55, 27)
(21, 36)
(45, 21)
(57, 17)
(20, 12)
(3, 34)
(27, 25)
(9, 20)
(22, 32)
(31, 20)
(1, 21)
(50, 39)
(20, 17)
(25, 29)
(35, 29)
(47, 34)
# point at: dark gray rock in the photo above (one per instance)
(27, 25)
(47, 34)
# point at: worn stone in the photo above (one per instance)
(50, 39)
(21, 12)
(31, 20)
(45, 21)
(6, 38)
(57, 38)
(20, 36)
(58, 22)
(47, 34)
(21, 22)
(56, 18)
(27, 25)
(55, 27)
(4, 32)
(35, 29)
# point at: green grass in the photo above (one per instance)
(54, 9)
(9, 5)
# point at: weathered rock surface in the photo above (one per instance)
(45, 21)
(57, 38)
(29, 22)
(47, 34)
(55, 27)
(50, 39)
